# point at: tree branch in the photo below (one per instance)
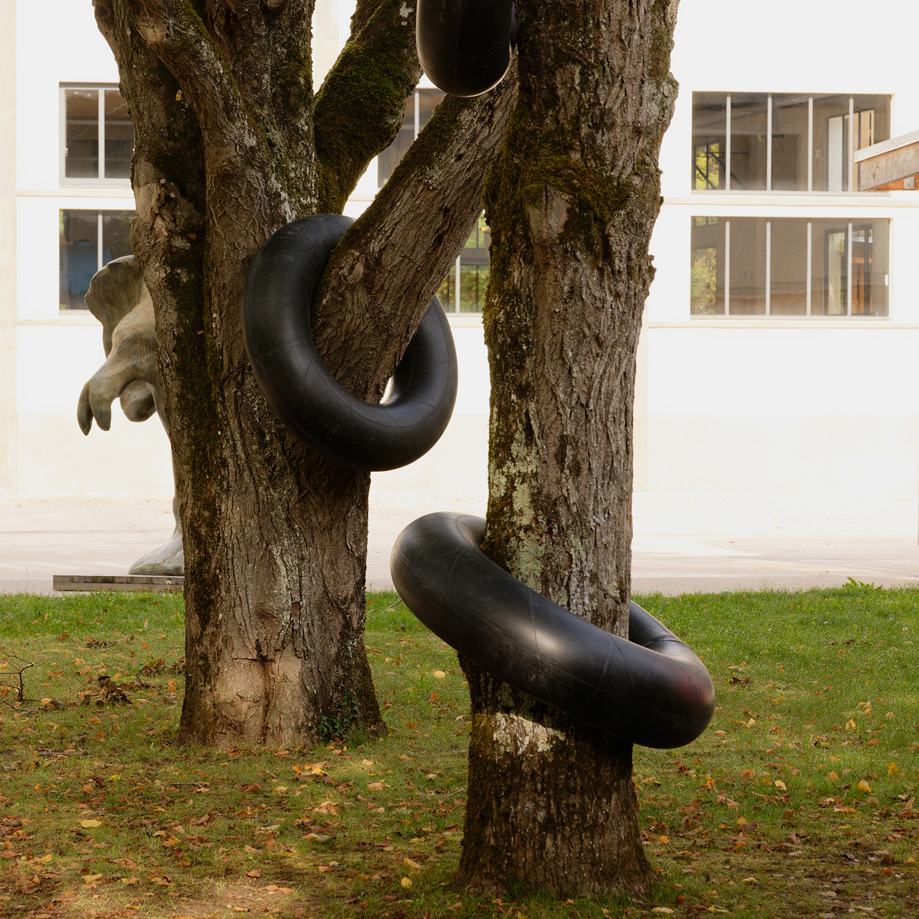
(359, 109)
(391, 262)
(178, 37)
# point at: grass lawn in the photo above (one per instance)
(798, 801)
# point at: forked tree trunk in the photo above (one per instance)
(571, 202)
(230, 145)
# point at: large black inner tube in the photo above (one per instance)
(464, 46)
(651, 690)
(299, 388)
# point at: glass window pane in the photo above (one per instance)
(748, 142)
(869, 268)
(788, 268)
(79, 256)
(748, 267)
(116, 235)
(473, 282)
(119, 137)
(81, 152)
(474, 267)
(872, 120)
(829, 268)
(446, 293)
(789, 142)
(831, 143)
(707, 265)
(709, 122)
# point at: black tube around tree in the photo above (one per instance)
(299, 388)
(464, 46)
(651, 690)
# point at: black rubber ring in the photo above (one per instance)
(299, 388)
(651, 690)
(464, 46)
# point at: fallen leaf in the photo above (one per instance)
(254, 873)
(864, 786)
(781, 785)
(89, 824)
(662, 909)
(439, 675)
(406, 882)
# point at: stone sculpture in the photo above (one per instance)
(119, 299)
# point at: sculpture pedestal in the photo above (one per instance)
(85, 583)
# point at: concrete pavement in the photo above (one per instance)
(684, 542)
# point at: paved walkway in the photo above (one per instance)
(683, 542)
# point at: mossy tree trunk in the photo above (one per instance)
(571, 202)
(231, 143)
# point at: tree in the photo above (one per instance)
(571, 202)
(231, 143)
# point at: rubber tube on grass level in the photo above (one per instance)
(464, 46)
(650, 690)
(300, 389)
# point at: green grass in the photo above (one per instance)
(798, 800)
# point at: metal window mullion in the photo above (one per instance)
(768, 267)
(769, 142)
(850, 165)
(99, 265)
(810, 144)
(727, 143)
(849, 270)
(63, 130)
(809, 272)
(456, 302)
(727, 268)
(101, 133)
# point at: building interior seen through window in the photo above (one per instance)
(773, 142)
(758, 266)
(89, 240)
(99, 136)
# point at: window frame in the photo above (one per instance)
(100, 215)
(101, 180)
(849, 171)
(817, 228)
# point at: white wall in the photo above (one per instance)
(735, 403)
(722, 403)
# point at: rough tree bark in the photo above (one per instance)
(571, 203)
(231, 143)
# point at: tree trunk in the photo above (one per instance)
(571, 202)
(230, 144)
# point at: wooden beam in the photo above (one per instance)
(889, 165)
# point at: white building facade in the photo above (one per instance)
(781, 338)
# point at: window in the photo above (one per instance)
(89, 240)
(463, 289)
(98, 137)
(788, 266)
(771, 142)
